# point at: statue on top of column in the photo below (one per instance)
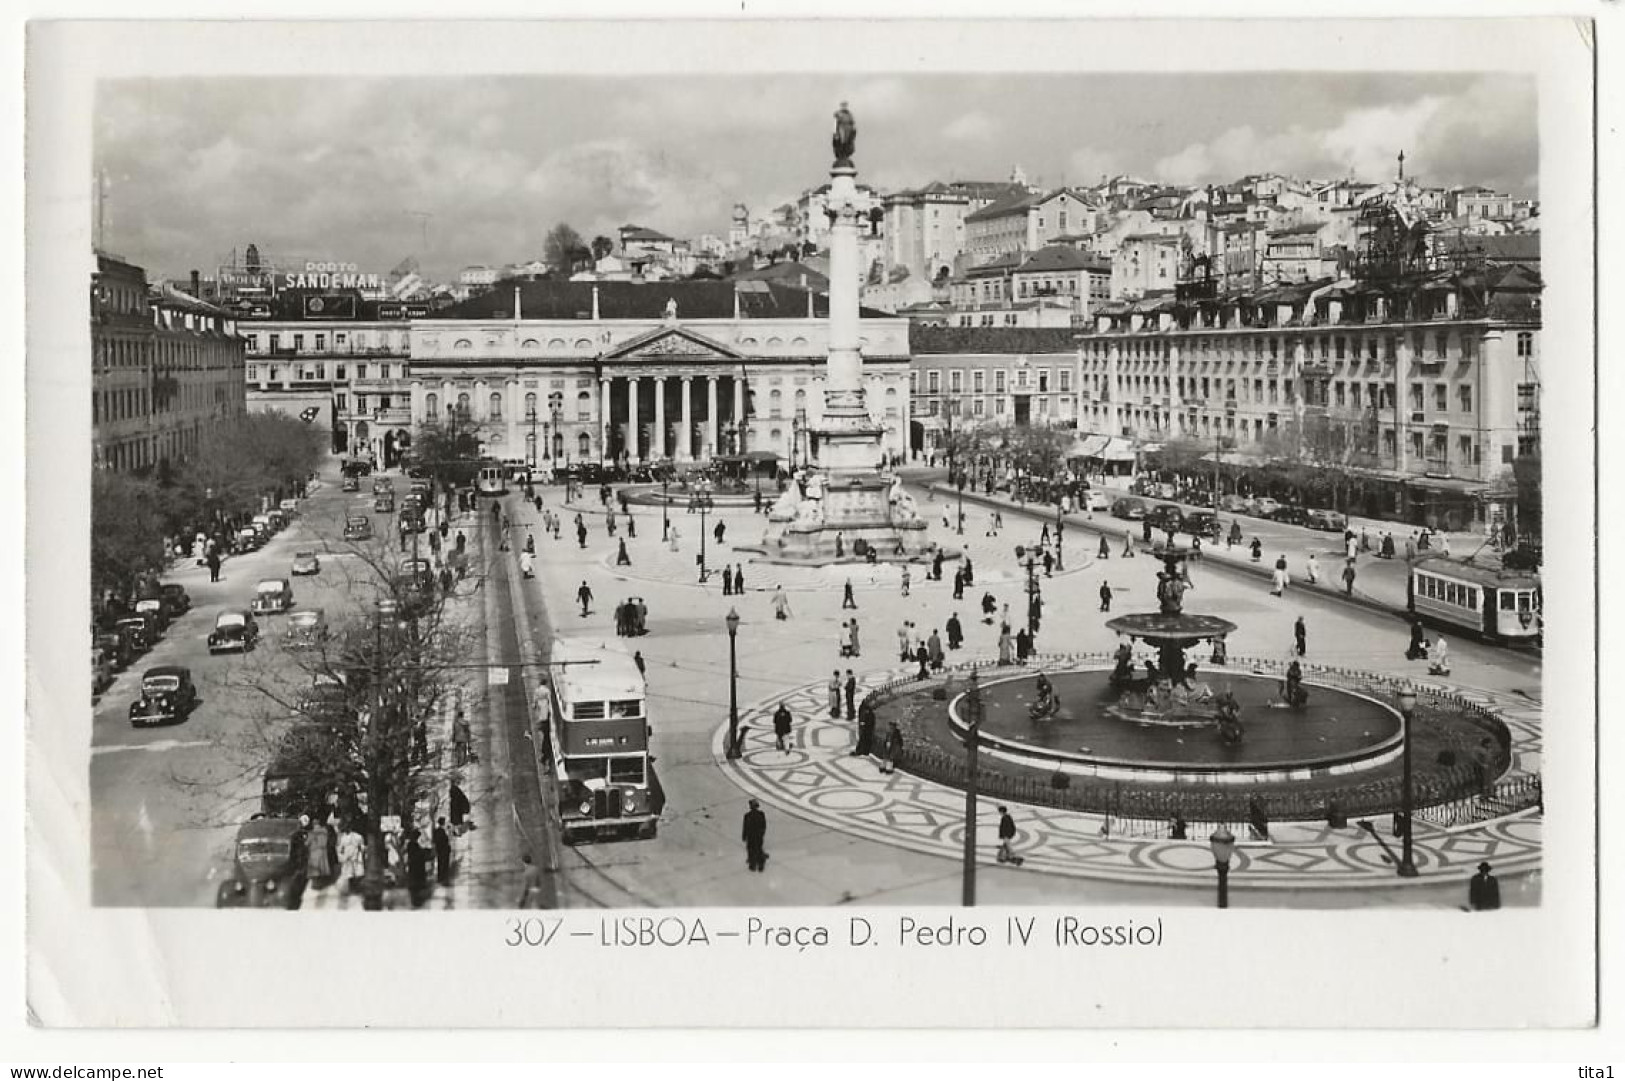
(846, 135)
(671, 309)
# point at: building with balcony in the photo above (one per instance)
(166, 369)
(557, 372)
(988, 377)
(1425, 385)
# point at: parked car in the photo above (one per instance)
(306, 563)
(306, 629)
(1130, 509)
(167, 696)
(1165, 516)
(1097, 500)
(1197, 497)
(1328, 521)
(272, 596)
(1235, 504)
(1264, 507)
(248, 539)
(180, 601)
(1289, 514)
(140, 631)
(235, 631)
(1202, 523)
(358, 527)
(381, 485)
(268, 866)
(155, 607)
(101, 670)
(116, 647)
(384, 503)
(289, 508)
(351, 484)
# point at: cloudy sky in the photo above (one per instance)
(339, 168)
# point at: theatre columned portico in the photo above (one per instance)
(647, 387)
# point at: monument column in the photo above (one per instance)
(657, 448)
(603, 419)
(685, 442)
(711, 426)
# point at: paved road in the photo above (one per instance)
(697, 859)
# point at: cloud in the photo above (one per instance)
(974, 126)
(1087, 165)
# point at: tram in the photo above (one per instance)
(1477, 595)
(493, 478)
(600, 729)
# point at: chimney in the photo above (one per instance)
(197, 285)
(809, 296)
(595, 303)
(736, 300)
(516, 313)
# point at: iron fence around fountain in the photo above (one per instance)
(1447, 795)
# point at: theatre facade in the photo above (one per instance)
(550, 373)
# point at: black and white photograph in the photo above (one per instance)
(728, 493)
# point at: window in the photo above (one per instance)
(431, 405)
(775, 404)
(298, 343)
(530, 406)
(1066, 380)
(276, 342)
(1441, 397)
(584, 408)
(338, 371)
(1528, 396)
(1465, 450)
(1043, 381)
(1337, 391)
(1469, 347)
(1526, 343)
(253, 373)
(321, 343)
(1021, 377)
(933, 382)
(956, 381)
(1441, 345)
(977, 407)
(1371, 350)
(1464, 398)
(913, 382)
(1342, 347)
(1354, 395)
(978, 382)
(1416, 397)
(998, 383)
(361, 371)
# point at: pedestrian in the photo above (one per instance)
(1300, 637)
(1483, 891)
(1145, 530)
(1258, 549)
(1410, 548)
(674, 538)
(1024, 645)
(581, 532)
(852, 637)
(905, 581)
(781, 603)
(843, 640)
(1312, 569)
(531, 885)
(727, 580)
(956, 631)
(462, 738)
(460, 807)
(933, 647)
(1006, 647)
(1105, 597)
(739, 580)
(851, 688)
(442, 852)
(1444, 544)
(959, 583)
(318, 867)
(834, 696)
(417, 869)
(1387, 546)
(352, 858)
(970, 572)
(637, 659)
(213, 559)
(1105, 549)
(609, 522)
(1439, 656)
(717, 533)
(894, 748)
(936, 566)
(527, 566)
(1049, 564)
(621, 558)
(754, 835)
(781, 719)
(998, 522)
(1280, 577)
(1418, 650)
(1128, 545)
(584, 595)
(866, 729)
(1007, 838)
(1348, 579)
(847, 600)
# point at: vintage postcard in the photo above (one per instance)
(601, 514)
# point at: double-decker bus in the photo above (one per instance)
(600, 730)
(1476, 594)
(493, 478)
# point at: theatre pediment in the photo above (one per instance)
(665, 343)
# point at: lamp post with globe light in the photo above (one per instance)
(1407, 709)
(732, 620)
(1223, 843)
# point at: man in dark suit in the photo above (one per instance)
(755, 833)
(1483, 891)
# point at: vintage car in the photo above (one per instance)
(1096, 499)
(234, 631)
(272, 596)
(1289, 514)
(1235, 504)
(179, 600)
(268, 866)
(357, 527)
(306, 563)
(141, 631)
(1264, 507)
(384, 503)
(156, 607)
(167, 696)
(1202, 523)
(351, 483)
(411, 520)
(289, 508)
(116, 647)
(381, 485)
(1166, 517)
(101, 670)
(306, 629)
(1327, 521)
(1130, 509)
(247, 539)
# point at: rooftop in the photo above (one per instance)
(990, 340)
(1056, 258)
(647, 300)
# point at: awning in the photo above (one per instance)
(1449, 484)
(1106, 448)
(1236, 458)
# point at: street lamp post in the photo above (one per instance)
(1060, 536)
(1407, 709)
(973, 719)
(959, 526)
(732, 620)
(665, 504)
(1032, 593)
(703, 502)
(1223, 843)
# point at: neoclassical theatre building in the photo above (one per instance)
(555, 372)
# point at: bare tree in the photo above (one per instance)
(560, 248)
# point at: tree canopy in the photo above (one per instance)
(562, 246)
